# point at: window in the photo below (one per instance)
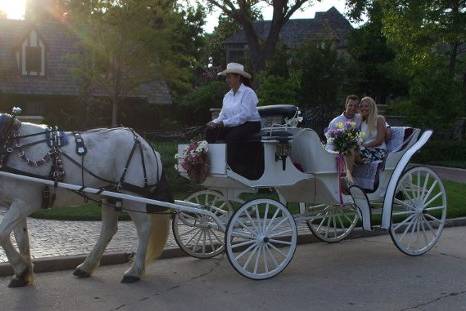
(33, 59)
(31, 55)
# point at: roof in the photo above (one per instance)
(59, 80)
(324, 24)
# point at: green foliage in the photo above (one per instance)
(321, 74)
(215, 50)
(374, 71)
(442, 150)
(194, 107)
(435, 99)
(275, 90)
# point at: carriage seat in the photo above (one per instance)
(268, 135)
(276, 114)
(367, 175)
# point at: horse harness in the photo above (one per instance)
(55, 139)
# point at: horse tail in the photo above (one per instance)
(159, 229)
(160, 223)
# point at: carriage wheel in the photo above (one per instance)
(198, 235)
(261, 239)
(332, 223)
(418, 212)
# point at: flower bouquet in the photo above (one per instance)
(195, 161)
(344, 137)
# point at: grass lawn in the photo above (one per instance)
(456, 195)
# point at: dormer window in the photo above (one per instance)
(31, 55)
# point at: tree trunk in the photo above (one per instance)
(453, 56)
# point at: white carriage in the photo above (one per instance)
(260, 235)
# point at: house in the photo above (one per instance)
(36, 65)
(330, 26)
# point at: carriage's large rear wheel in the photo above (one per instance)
(261, 239)
(331, 223)
(419, 211)
(198, 235)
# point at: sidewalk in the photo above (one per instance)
(450, 173)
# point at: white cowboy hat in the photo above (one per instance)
(235, 68)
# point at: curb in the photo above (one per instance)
(60, 263)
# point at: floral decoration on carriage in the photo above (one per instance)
(194, 160)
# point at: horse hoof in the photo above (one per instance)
(81, 273)
(130, 279)
(18, 282)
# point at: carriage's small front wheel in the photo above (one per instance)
(331, 223)
(198, 235)
(418, 212)
(261, 239)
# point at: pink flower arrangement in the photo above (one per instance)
(195, 161)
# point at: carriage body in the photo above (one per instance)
(308, 176)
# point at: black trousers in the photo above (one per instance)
(240, 153)
(232, 134)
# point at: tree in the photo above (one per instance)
(243, 11)
(421, 29)
(374, 71)
(125, 44)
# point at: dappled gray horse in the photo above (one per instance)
(115, 159)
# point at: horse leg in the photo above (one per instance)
(15, 215)
(107, 231)
(22, 240)
(143, 227)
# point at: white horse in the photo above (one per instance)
(108, 151)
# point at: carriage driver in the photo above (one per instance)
(239, 118)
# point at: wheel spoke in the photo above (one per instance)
(258, 255)
(272, 219)
(280, 233)
(434, 208)
(277, 249)
(188, 232)
(250, 257)
(406, 230)
(403, 222)
(280, 242)
(423, 230)
(264, 221)
(192, 237)
(241, 235)
(433, 199)
(216, 237)
(242, 243)
(266, 264)
(430, 190)
(245, 251)
(403, 203)
(279, 223)
(256, 231)
(271, 255)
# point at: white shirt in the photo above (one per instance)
(369, 137)
(239, 107)
(342, 118)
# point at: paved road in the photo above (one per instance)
(448, 173)
(362, 274)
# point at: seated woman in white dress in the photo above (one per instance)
(374, 132)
